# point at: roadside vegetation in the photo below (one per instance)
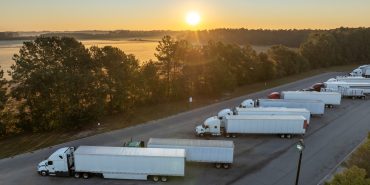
(58, 85)
(357, 170)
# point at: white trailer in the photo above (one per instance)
(274, 111)
(116, 162)
(218, 152)
(316, 107)
(285, 126)
(347, 92)
(336, 85)
(329, 98)
(354, 79)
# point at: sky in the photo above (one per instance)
(72, 15)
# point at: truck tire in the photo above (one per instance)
(353, 97)
(77, 175)
(164, 179)
(155, 178)
(233, 135)
(218, 165)
(289, 136)
(43, 173)
(226, 166)
(282, 136)
(227, 135)
(201, 135)
(85, 175)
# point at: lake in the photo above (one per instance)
(143, 50)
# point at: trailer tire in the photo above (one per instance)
(233, 135)
(155, 178)
(288, 136)
(218, 165)
(226, 166)
(227, 135)
(164, 179)
(43, 173)
(362, 97)
(282, 136)
(201, 135)
(77, 175)
(85, 175)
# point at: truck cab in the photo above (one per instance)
(248, 103)
(210, 126)
(60, 163)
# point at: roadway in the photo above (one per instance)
(258, 160)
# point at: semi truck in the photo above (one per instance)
(266, 111)
(282, 125)
(355, 79)
(218, 152)
(363, 70)
(316, 107)
(347, 92)
(115, 163)
(335, 85)
(329, 98)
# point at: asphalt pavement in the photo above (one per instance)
(258, 159)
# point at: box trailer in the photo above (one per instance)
(274, 111)
(329, 98)
(283, 125)
(218, 152)
(347, 92)
(316, 107)
(116, 162)
(365, 87)
(353, 79)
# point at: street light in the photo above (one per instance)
(300, 147)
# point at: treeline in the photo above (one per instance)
(358, 168)
(290, 38)
(58, 83)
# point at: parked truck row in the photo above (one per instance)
(286, 114)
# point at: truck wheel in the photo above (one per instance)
(155, 178)
(226, 166)
(227, 135)
(362, 97)
(201, 135)
(85, 175)
(282, 136)
(43, 173)
(77, 175)
(218, 165)
(164, 179)
(289, 136)
(233, 135)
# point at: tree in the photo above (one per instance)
(3, 99)
(321, 50)
(265, 68)
(150, 85)
(117, 76)
(351, 176)
(54, 79)
(288, 61)
(3, 88)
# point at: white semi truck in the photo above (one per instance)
(316, 107)
(336, 85)
(329, 98)
(115, 162)
(268, 111)
(283, 125)
(363, 70)
(218, 152)
(354, 79)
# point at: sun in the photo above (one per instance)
(192, 18)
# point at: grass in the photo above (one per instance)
(14, 145)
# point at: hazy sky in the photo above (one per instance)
(29, 15)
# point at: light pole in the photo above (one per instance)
(300, 147)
